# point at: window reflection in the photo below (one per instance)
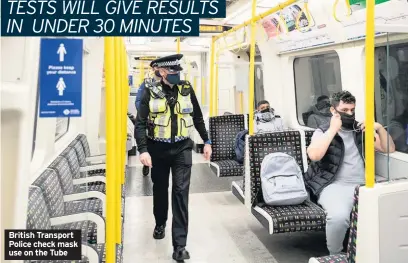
(392, 107)
(316, 79)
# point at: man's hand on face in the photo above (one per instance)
(335, 122)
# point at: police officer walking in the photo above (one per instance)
(168, 110)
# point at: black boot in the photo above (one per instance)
(180, 254)
(159, 232)
(145, 170)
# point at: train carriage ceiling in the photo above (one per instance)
(237, 13)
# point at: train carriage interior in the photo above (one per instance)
(84, 173)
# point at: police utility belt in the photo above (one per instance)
(160, 116)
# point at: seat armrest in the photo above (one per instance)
(96, 158)
(97, 219)
(90, 253)
(90, 179)
(92, 167)
(86, 195)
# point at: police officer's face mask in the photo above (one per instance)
(173, 78)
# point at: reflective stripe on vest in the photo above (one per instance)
(160, 115)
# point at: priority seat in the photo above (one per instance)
(63, 211)
(305, 217)
(223, 130)
(38, 218)
(64, 172)
(94, 181)
(89, 165)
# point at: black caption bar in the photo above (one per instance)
(42, 245)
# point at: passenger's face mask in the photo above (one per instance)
(266, 116)
(173, 78)
(322, 105)
(348, 121)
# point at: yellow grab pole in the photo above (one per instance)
(216, 86)
(241, 102)
(369, 110)
(142, 72)
(212, 54)
(110, 150)
(252, 71)
(195, 84)
(117, 141)
(178, 45)
(122, 117)
(203, 91)
(125, 95)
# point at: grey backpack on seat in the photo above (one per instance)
(282, 180)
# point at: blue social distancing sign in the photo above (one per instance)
(60, 77)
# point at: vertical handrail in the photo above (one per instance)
(241, 102)
(252, 70)
(178, 45)
(195, 84)
(216, 87)
(117, 140)
(125, 97)
(369, 90)
(211, 98)
(110, 150)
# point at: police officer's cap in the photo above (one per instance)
(171, 63)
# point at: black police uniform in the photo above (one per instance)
(173, 155)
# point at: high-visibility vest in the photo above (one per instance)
(160, 114)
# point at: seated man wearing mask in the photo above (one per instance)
(337, 165)
(320, 113)
(266, 120)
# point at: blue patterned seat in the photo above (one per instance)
(223, 130)
(280, 219)
(38, 217)
(54, 198)
(66, 168)
(76, 154)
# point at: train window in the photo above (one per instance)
(259, 85)
(62, 127)
(315, 77)
(393, 114)
(35, 122)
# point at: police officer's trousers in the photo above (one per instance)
(177, 157)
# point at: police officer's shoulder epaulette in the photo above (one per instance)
(185, 83)
(153, 86)
(278, 116)
(185, 87)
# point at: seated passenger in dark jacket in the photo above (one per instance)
(320, 112)
(338, 165)
(398, 129)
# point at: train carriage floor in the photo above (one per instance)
(221, 230)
